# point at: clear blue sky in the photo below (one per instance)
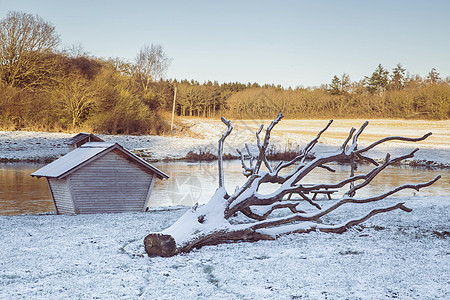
(284, 42)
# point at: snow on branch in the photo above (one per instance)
(220, 151)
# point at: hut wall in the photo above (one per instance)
(61, 195)
(111, 183)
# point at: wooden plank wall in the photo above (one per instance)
(111, 183)
(62, 197)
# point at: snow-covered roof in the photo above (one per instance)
(83, 155)
(81, 136)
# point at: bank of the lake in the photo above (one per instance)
(203, 134)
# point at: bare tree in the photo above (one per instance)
(216, 221)
(75, 51)
(27, 46)
(150, 64)
(76, 97)
(122, 66)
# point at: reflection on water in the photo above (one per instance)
(196, 182)
(22, 194)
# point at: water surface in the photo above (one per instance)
(196, 182)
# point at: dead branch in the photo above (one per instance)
(220, 151)
(393, 138)
(263, 148)
(292, 205)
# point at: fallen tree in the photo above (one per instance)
(220, 220)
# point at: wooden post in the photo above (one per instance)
(173, 109)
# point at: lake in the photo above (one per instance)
(196, 182)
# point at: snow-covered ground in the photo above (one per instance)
(203, 134)
(394, 255)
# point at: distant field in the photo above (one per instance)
(204, 133)
(338, 131)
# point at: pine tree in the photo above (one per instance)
(397, 77)
(378, 81)
(335, 86)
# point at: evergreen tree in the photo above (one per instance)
(378, 81)
(397, 77)
(335, 86)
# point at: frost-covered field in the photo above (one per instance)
(395, 255)
(203, 134)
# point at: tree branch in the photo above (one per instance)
(220, 151)
(247, 170)
(263, 148)
(344, 227)
(306, 226)
(316, 216)
(312, 143)
(270, 208)
(376, 198)
(393, 138)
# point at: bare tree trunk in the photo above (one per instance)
(218, 221)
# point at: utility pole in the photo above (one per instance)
(173, 109)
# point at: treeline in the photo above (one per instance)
(410, 97)
(45, 88)
(382, 94)
(207, 99)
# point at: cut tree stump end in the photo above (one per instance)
(157, 244)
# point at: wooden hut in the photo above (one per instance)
(100, 178)
(81, 139)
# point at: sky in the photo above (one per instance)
(292, 43)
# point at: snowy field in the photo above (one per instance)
(297, 133)
(394, 255)
(203, 134)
